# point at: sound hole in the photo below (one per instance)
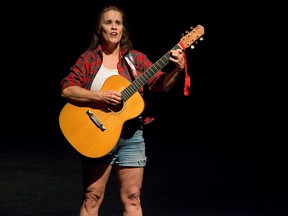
(116, 108)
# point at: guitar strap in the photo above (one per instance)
(130, 60)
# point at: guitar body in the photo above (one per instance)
(84, 135)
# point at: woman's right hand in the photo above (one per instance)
(110, 97)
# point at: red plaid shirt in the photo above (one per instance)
(83, 72)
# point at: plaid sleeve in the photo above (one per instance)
(81, 73)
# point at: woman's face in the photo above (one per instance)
(111, 27)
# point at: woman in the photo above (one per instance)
(105, 57)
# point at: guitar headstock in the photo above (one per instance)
(190, 37)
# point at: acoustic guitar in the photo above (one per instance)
(94, 130)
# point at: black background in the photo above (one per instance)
(226, 140)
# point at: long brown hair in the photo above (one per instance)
(125, 42)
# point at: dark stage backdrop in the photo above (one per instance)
(232, 127)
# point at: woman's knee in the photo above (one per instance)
(135, 199)
(132, 204)
(132, 197)
(92, 200)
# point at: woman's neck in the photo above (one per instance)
(110, 57)
(109, 49)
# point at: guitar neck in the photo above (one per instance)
(147, 75)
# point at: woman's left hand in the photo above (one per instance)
(177, 56)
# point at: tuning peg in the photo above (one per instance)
(196, 42)
(183, 34)
(186, 32)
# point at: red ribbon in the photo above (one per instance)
(187, 77)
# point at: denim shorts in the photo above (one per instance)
(128, 152)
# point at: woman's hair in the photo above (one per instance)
(125, 42)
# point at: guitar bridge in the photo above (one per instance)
(95, 120)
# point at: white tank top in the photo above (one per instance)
(101, 77)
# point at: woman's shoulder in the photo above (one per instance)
(138, 54)
(90, 54)
(140, 59)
